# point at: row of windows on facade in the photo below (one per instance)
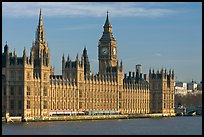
(98, 105)
(20, 75)
(20, 91)
(80, 93)
(61, 105)
(65, 105)
(165, 105)
(165, 97)
(159, 86)
(20, 104)
(45, 93)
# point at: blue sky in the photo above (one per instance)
(156, 35)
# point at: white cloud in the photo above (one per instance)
(94, 60)
(158, 54)
(78, 27)
(29, 9)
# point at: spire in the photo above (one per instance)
(77, 57)
(63, 62)
(24, 53)
(121, 63)
(170, 72)
(40, 33)
(107, 23)
(63, 57)
(85, 52)
(14, 52)
(82, 60)
(68, 58)
(40, 19)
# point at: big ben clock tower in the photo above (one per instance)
(107, 48)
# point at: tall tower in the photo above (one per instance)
(40, 50)
(41, 57)
(107, 48)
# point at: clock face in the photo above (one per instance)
(104, 51)
(114, 51)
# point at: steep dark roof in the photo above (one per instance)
(107, 23)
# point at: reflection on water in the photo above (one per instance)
(143, 126)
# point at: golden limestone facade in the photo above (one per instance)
(31, 90)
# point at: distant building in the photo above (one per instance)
(31, 90)
(181, 84)
(181, 88)
(199, 86)
(192, 86)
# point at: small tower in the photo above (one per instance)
(63, 66)
(24, 55)
(6, 47)
(86, 63)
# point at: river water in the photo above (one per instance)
(140, 126)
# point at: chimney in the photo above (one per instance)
(140, 75)
(133, 74)
(145, 76)
(130, 74)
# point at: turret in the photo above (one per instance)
(5, 56)
(14, 52)
(121, 65)
(173, 74)
(24, 54)
(86, 62)
(31, 58)
(77, 60)
(68, 59)
(6, 48)
(15, 56)
(63, 61)
(82, 61)
(63, 66)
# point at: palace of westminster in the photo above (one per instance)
(31, 89)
